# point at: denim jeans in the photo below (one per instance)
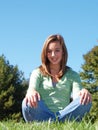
(74, 111)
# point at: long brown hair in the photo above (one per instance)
(44, 68)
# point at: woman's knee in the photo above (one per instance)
(24, 104)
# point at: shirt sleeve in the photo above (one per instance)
(35, 79)
(76, 85)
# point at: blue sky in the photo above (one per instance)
(25, 24)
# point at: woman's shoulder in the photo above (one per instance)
(36, 72)
(71, 72)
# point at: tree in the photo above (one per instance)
(89, 77)
(12, 89)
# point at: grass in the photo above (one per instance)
(83, 125)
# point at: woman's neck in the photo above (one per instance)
(54, 70)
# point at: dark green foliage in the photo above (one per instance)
(89, 77)
(12, 89)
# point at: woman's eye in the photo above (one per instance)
(49, 52)
(57, 50)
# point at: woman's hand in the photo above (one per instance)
(32, 97)
(85, 96)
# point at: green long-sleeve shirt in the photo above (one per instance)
(58, 97)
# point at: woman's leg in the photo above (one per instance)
(74, 110)
(40, 113)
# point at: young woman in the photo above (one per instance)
(51, 85)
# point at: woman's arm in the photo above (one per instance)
(32, 95)
(85, 96)
(79, 91)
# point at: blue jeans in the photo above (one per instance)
(74, 110)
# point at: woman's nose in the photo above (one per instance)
(53, 53)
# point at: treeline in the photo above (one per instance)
(89, 76)
(12, 90)
(13, 86)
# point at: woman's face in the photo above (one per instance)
(54, 53)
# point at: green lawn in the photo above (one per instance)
(11, 125)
